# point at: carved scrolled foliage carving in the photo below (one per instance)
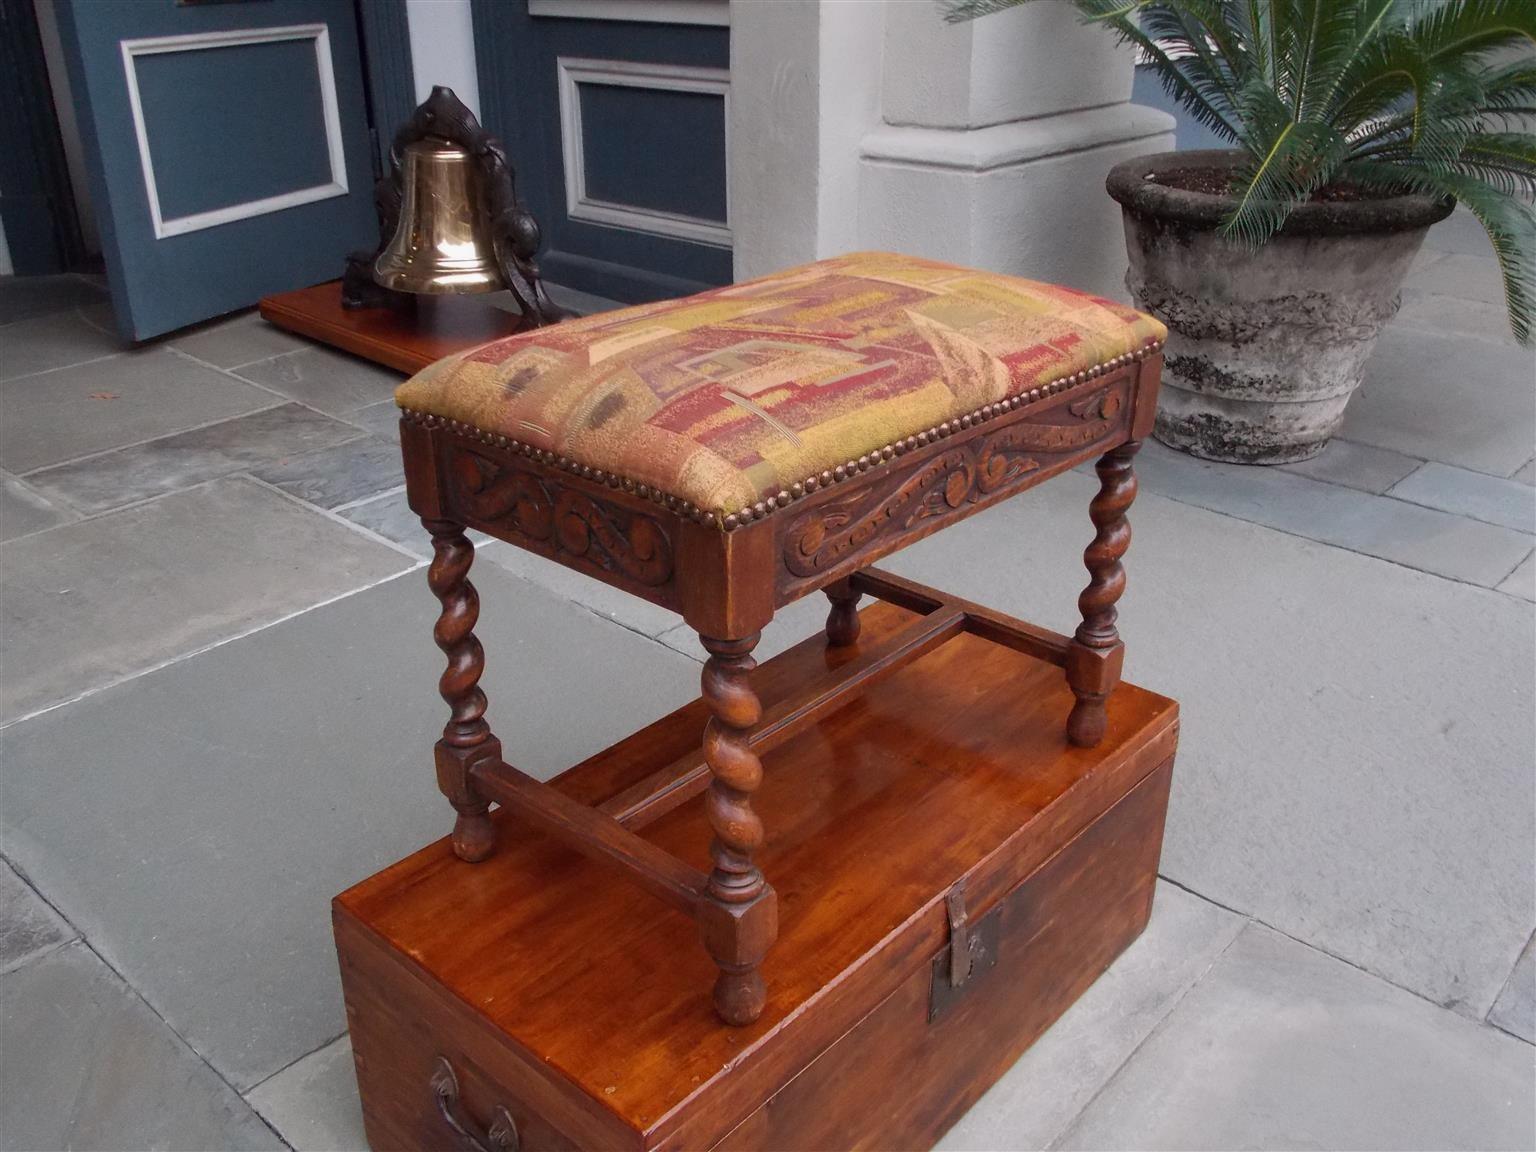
(572, 525)
(939, 487)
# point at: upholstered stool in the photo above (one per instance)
(726, 454)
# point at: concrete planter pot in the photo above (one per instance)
(1266, 347)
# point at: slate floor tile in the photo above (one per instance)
(1522, 581)
(53, 341)
(1450, 316)
(1515, 1009)
(381, 420)
(805, 617)
(313, 1103)
(1423, 538)
(618, 606)
(28, 927)
(333, 382)
(346, 474)
(1356, 466)
(171, 463)
(1460, 232)
(1281, 1046)
(24, 510)
(1062, 1071)
(1490, 499)
(1463, 402)
(22, 297)
(1355, 753)
(195, 822)
(391, 517)
(236, 340)
(1464, 276)
(61, 415)
(89, 603)
(87, 1065)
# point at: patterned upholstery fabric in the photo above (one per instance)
(726, 398)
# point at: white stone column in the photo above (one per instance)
(805, 89)
(873, 124)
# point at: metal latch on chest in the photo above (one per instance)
(972, 952)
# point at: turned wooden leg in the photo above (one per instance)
(739, 917)
(1096, 654)
(467, 738)
(843, 617)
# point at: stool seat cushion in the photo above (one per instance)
(725, 399)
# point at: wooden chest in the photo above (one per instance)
(951, 874)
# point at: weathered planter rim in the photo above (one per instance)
(1128, 183)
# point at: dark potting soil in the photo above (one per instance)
(1218, 182)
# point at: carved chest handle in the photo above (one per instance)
(501, 1136)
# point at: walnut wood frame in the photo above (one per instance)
(727, 575)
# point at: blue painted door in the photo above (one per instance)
(615, 114)
(227, 146)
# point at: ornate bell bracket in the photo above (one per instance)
(515, 234)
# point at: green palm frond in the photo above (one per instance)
(1453, 29)
(1510, 224)
(1433, 96)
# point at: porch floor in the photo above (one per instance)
(217, 706)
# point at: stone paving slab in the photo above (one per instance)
(89, 603)
(1490, 499)
(381, 420)
(1353, 769)
(1463, 276)
(1281, 1046)
(805, 617)
(54, 341)
(22, 297)
(1448, 316)
(391, 517)
(186, 459)
(1515, 1009)
(195, 822)
(87, 1065)
(313, 1103)
(1460, 232)
(330, 477)
(609, 602)
(1356, 466)
(111, 403)
(1423, 538)
(236, 341)
(1522, 581)
(334, 382)
(24, 510)
(28, 927)
(1527, 474)
(1063, 1070)
(1463, 402)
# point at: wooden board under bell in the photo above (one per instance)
(406, 341)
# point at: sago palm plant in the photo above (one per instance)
(1353, 97)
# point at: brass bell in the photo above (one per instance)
(443, 241)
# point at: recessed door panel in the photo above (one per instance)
(227, 146)
(618, 129)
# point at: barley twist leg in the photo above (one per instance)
(1096, 653)
(467, 738)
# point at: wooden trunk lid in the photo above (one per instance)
(954, 769)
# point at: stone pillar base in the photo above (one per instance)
(1025, 197)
